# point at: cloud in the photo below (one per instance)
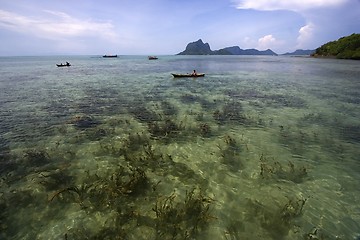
(56, 25)
(324, 17)
(293, 5)
(268, 42)
(305, 35)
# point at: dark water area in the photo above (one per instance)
(262, 147)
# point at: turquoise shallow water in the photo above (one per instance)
(260, 148)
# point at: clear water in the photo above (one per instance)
(260, 148)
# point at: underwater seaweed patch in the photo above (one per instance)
(163, 165)
(168, 109)
(189, 98)
(136, 141)
(296, 139)
(59, 108)
(97, 133)
(230, 154)
(314, 118)
(184, 220)
(233, 230)
(106, 233)
(84, 121)
(274, 100)
(350, 132)
(275, 170)
(164, 129)
(231, 112)
(97, 105)
(126, 146)
(317, 233)
(120, 191)
(143, 114)
(53, 180)
(278, 220)
(280, 100)
(10, 203)
(6, 163)
(96, 193)
(36, 157)
(247, 94)
(205, 130)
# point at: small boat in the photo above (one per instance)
(176, 75)
(152, 57)
(63, 65)
(110, 56)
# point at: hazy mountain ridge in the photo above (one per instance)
(300, 52)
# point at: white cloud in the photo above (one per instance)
(267, 42)
(294, 5)
(305, 35)
(56, 25)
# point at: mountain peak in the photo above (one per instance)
(197, 48)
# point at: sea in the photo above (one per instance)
(261, 147)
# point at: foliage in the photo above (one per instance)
(344, 48)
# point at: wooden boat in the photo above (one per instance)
(110, 56)
(176, 75)
(63, 65)
(152, 57)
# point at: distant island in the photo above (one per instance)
(201, 48)
(300, 52)
(344, 48)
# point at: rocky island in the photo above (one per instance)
(201, 48)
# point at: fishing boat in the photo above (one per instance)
(110, 56)
(177, 75)
(152, 57)
(64, 65)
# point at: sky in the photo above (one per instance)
(165, 27)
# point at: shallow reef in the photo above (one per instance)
(174, 160)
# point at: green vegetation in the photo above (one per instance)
(344, 48)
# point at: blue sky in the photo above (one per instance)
(143, 27)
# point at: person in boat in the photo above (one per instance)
(67, 64)
(194, 73)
